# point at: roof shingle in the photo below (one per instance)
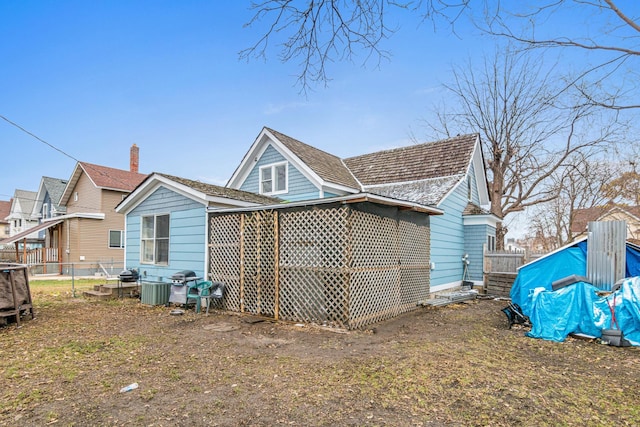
(327, 166)
(582, 217)
(438, 159)
(225, 192)
(5, 210)
(111, 178)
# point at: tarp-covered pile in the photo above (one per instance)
(577, 308)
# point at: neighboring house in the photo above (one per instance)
(46, 207)
(630, 214)
(166, 223)
(92, 230)
(5, 210)
(447, 174)
(48, 197)
(20, 219)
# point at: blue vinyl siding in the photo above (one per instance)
(475, 236)
(447, 238)
(299, 187)
(46, 200)
(475, 198)
(187, 234)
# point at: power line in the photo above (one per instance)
(37, 137)
(87, 165)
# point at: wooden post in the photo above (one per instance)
(259, 226)
(242, 263)
(276, 263)
(59, 257)
(24, 250)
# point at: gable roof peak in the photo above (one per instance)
(112, 178)
(326, 166)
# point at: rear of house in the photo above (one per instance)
(448, 175)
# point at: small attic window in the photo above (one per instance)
(274, 178)
(75, 196)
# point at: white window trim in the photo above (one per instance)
(142, 239)
(121, 240)
(273, 167)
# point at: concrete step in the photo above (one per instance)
(98, 295)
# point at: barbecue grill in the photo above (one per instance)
(129, 275)
(180, 282)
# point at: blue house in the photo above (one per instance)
(166, 223)
(447, 174)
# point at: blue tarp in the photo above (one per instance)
(578, 309)
(545, 271)
(571, 260)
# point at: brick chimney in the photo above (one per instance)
(133, 158)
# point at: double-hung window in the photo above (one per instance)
(154, 239)
(116, 239)
(273, 178)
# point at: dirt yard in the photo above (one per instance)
(449, 366)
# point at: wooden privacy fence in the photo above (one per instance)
(340, 265)
(501, 269)
(503, 261)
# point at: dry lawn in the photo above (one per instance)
(450, 366)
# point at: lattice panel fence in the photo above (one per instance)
(414, 243)
(314, 274)
(224, 257)
(335, 266)
(375, 283)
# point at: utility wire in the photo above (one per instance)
(37, 137)
(87, 165)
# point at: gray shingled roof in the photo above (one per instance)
(438, 159)
(55, 187)
(473, 209)
(327, 166)
(425, 192)
(27, 199)
(218, 191)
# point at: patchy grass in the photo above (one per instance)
(456, 365)
(46, 290)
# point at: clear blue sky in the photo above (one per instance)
(94, 77)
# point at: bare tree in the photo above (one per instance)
(529, 129)
(318, 32)
(625, 187)
(610, 33)
(580, 184)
